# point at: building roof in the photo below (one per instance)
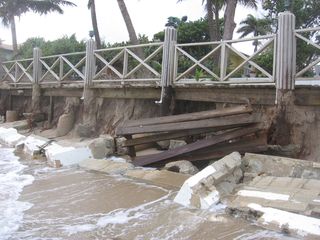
(6, 47)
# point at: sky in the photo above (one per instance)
(148, 17)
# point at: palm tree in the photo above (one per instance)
(132, 33)
(229, 24)
(126, 17)
(255, 26)
(92, 7)
(9, 9)
(212, 8)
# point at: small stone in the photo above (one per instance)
(65, 124)
(102, 147)
(177, 143)
(121, 150)
(164, 145)
(182, 166)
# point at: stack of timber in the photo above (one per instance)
(226, 130)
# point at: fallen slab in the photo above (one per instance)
(19, 125)
(258, 164)
(288, 222)
(205, 188)
(110, 166)
(160, 178)
(10, 136)
(58, 155)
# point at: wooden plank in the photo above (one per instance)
(131, 149)
(189, 116)
(236, 120)
(145, 160)
(172, 135)
(242, 146)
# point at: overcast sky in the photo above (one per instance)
(148, 17)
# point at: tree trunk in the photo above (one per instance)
(132, 33)
(14, 35)
(217, 22)
(229, 24)
(95, 24)
(126, 17)
(211, 24)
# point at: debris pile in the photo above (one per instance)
(223, 131)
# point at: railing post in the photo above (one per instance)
(36, 90)
(167, 73)
(37, 70)
(90, 107)
(286, 55)
(90, 62)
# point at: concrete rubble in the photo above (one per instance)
(205, 188)
(182, 166)
(277, 193)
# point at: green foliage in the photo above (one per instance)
(307, 16)
(307, 12)
(59, 46)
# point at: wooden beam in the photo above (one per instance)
(236, 120)
(223, 149)
(264, 95)
(189, 116)
(145, 160)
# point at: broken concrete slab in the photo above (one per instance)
(257, 164)
(289, 194)
(66, 155)
(291, 223)
(19, 125)
(10, 136)
(204, 189)
(107, 166)
(33, 143)
(161, 178)
(182, 166)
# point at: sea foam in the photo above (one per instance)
(12, 182)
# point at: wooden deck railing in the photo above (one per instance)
(171, 64)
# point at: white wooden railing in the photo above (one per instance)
(128, 64)
(64, 68)
(170, 64)
(310, 68)
(18, 72)
(217, 71)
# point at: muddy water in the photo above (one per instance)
(76, 204)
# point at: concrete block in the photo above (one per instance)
(10, 136)
(11, 116)
(32, 144)
(67, 155)
(182, 166)
(200, 190)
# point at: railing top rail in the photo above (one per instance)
(227, 41)
(62, 55)
(18, 60)
(130, 46)
(308, 29)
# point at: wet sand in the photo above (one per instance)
(77, 204)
